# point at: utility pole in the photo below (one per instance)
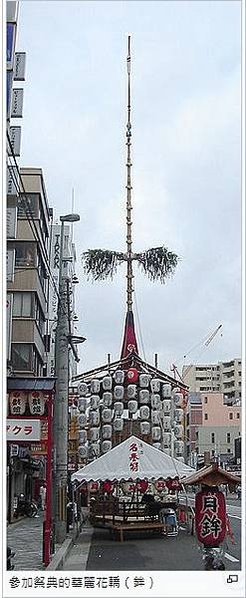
(61, 396)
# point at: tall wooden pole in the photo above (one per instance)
(129, 275)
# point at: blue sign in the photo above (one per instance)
(10, 41)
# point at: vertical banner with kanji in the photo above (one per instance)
(210, 517)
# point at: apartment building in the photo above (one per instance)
(28, 276)
(225, 377)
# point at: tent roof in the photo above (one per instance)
(131, 460)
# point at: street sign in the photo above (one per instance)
(210, 517)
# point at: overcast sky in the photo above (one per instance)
(186, 93)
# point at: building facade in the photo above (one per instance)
(225, 377)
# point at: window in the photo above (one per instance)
(213, 437)
(25, 254)
(22, 305)
(28, 205)
(205, 416)
(212, 452)
(238, 415)
(228, 450)
(230, 415)
(205, 399)
(21, 356)
(228, 437)
(39, 317)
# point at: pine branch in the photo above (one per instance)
(100, 264)
(158, 263)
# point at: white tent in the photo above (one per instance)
(133, 459)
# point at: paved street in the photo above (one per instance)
(25, 539)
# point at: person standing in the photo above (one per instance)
(42, 493)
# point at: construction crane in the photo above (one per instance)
(207, 342)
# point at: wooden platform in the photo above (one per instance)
(136, 526)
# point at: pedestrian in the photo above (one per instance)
(42, 493)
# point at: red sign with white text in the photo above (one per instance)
(210, 517)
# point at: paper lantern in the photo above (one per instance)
(178, 399)
(156, 433)
(166, 391)
(210, 517)
(132, 375)
(132, 406)
(93, 486)
(157, 445)
(119, 377)
(83, 436)
(166, 438)
(119, 392)
(142, 486)
(106, 446)
(82, 389)
(144, 396)
(82, 420)
(178, 415)
(155, 416)
(155, 385)
(17, 402)
(155, 401)
(166, 405)
(181, 459)
(167, 451)
(94, 448)
(118, 407)
(131, 391)
(160, 485)
(94, 434)
(144, 380)
(145, 428)
(118, 424)
(178, 447)
(107, 399)
(83, 451)
(95, 386)
(94, 417)
(108, 487)
(107, 383)
(106, 415)
(178, 431)
(94, 401)
(36, 402)
(144, 412)
(106, 431)
(82, 404)
(167, 423)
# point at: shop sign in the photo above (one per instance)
(11, 28)
(19, 66)
(17, 402)
(11, 221)
(17, 103)
(23, 429)
(14, 450)
(9, 82)
(38, 449)
(36, 403)
(133, 457)
(15, 140)
(10, 264)
(210, 517)
(9, 310)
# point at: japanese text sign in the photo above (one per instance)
(210, 517)
(23, 429)
(133, 457)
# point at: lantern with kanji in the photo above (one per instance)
(36, 402)
(108, 486)
(210, 517)
(17, 402)
(132, 375)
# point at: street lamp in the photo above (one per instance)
(61, 396)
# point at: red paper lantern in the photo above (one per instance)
(210, 517)
(108, 487)
(142, 486)
(160, 485)
(132, 375)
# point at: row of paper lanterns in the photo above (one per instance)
(94, 449)
(154, 401)
(94, 418)
(18, 401)
(115, 383)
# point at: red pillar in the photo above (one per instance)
(48, 520)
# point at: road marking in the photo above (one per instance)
(231, 558)
(235, 516)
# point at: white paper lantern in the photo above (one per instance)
(82, 404)
(94, 434)
(181, 459)
(156, 433)
(36, 402)
(167, 423)
(119, 392)
(95, 386)
(155, 401)
(178, 399)
(106, 415)
(106, 431)
(82, 420)
(157, 445)
(144, 380)
(118, 407)
(179, 447)
(83, 436)
(94, 401)
(167, 451)
(94, 417)
(82, 389)
(144, 412)
(131, 391)
(166, 405)
(178, 415)
(107, 383)
(17, 402)
(118, 424)
(94, 449)
(83, 451)
(144, 396)
(132, 406)
(155, 385)
(145, 428)
(178, 431)
(166, 438)
(166, 391)
(155, 416)
(107, 399)
(106, 446)
(119, 376)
